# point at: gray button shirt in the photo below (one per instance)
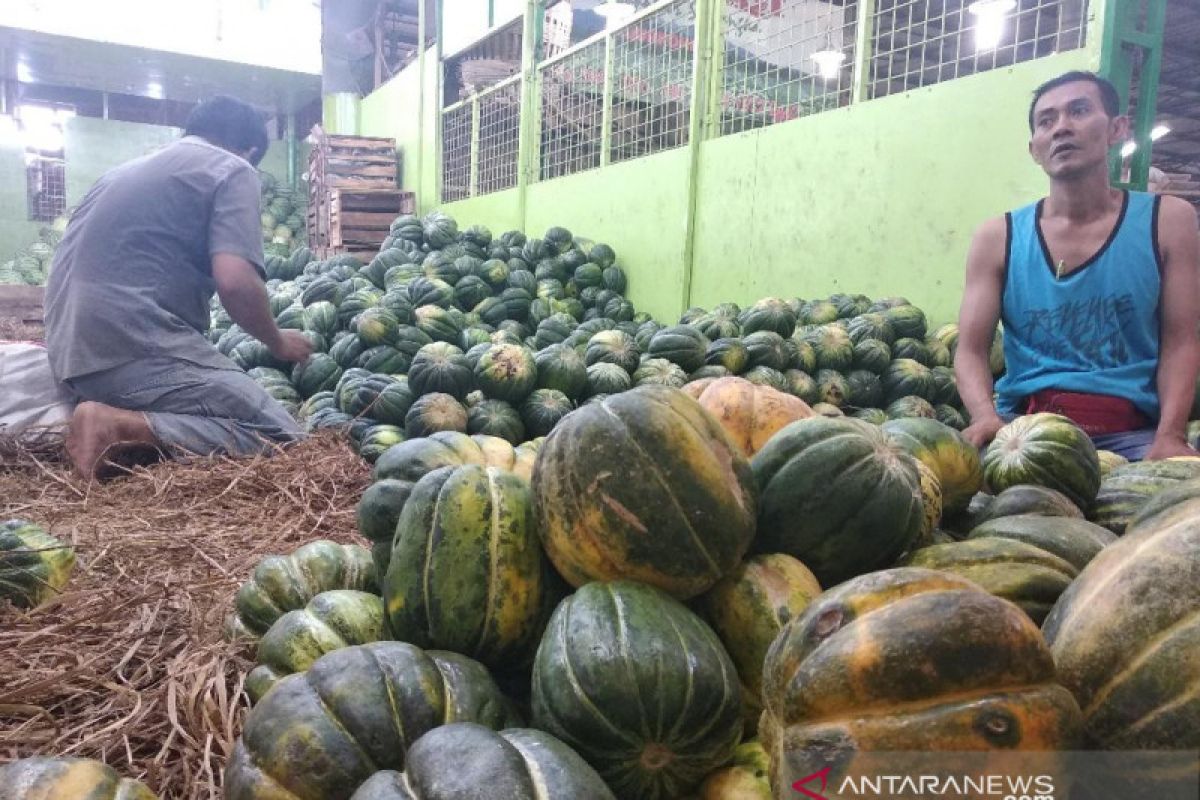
(132, 277)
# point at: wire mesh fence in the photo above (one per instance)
(630, 90)
(456, 152)
(499, 134)
(572, 111)
(784, 59)
(652, 72)
(922, 42)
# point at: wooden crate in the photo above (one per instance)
(22, 312)
(362, 218)
(352, 187)
(22, 303)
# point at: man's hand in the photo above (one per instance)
(1169, 446)
(291, 346)
(981, 432)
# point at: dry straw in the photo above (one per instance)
(128, 665)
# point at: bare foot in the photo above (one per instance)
(97, 430)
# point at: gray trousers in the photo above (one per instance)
(195, 409)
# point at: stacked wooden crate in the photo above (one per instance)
(353, 196)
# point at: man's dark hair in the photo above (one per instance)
(1108, 92)
(231, 124)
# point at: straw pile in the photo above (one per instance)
(129, 665)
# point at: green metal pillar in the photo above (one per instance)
(606, 102)
(714, 66)
(339, 113)
(416, 182)
(438, 95)
(860, 82)
(292, 155)
(474, 180)
(527, 134)
(698, 123)
(1128, 33)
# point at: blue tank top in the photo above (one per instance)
(1096, 329)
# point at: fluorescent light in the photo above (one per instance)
(1158, 131)
(24, 75)
(829, 62)
(989, 21)
(154, 89)
(1128, 149)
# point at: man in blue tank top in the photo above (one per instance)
(1098, 290)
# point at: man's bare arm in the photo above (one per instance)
(245, 298)
(977, 320)
(1179, 346)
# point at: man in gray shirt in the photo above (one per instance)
(128, 297)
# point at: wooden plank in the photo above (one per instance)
(360, 184)
(364, 220)
(24, 303)
(347, 140)
(367, 201)
(348, 162)
(364, 170)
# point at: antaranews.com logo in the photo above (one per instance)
(996, 787)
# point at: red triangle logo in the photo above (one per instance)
(821, 775)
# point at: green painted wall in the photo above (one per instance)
(879, 198)
(638, 207)
(392, 111)
(94, 146)
(498, 211)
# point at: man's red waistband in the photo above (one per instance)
(1096, 414)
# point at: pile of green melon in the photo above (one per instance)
(462, 330)
(31, 266)
(716, 592)
(282, 217)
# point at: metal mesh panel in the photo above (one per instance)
(456, 153)
(652, 81)
(922, 42)
(572, 91)
(46, 188)
(499, 130)
(770, 73)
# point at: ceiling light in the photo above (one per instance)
(1128, 149)
(154, 89)
(989, 21)
(829, 62)
(1158, 131)
(24, 74)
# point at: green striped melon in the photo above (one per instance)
(1127, 488)
(650, 459)
(951, 457)
(331, 620)
(1022, 573)
(440, 593)
(1124, 639)
(837, 495)
(1047, 450)
(652, 719)
(1073, 540)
